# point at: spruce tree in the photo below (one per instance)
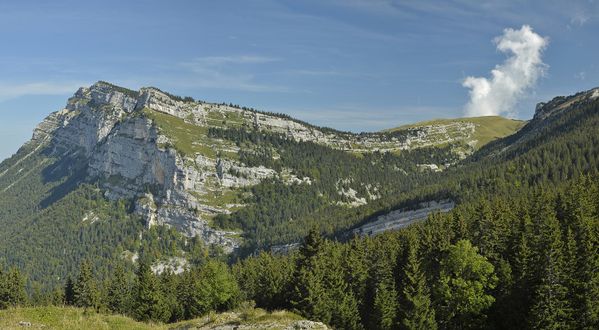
(85, 289)
(170, 283)
(320, 291)
(357, 273)
(69, 291)
(148, 302)
(523, 272)
(12, 288)
(384, 307)
(417, 312)
(119, 292)
(551, 308)
(582, 244)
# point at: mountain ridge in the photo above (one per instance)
(139, 144)
(137, 168)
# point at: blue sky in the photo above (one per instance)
(359, 65)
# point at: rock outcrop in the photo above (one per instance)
(104, 124)
(154, 149)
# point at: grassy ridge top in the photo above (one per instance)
(53, 317)
(488, 128)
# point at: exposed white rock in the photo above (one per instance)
(90, 116)
(400, 218)
(351, 194)
(157, 100)
(90, 218)
(176, 265)
(429, 167)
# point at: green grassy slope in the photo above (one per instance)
(66, 318)
(76, 318)
(488, 128)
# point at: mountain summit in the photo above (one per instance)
(176, 159)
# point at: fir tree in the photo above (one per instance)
(85, 289)
(69, 291)
(384, 307)
(417, 312)
(148, 302)
(119, 292)
(551, 308)
(12, 288)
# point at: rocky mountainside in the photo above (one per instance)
(156, 149)
(473, 133)
(547, 119)
(120, 173)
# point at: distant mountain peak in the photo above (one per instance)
(544, 110)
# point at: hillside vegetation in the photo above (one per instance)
(487, 128)
(67, 318)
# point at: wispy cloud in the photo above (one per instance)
(318, 73)
(229, 72)
(360, 118)
(10, 91)
(582, 75)
(203, 62)
(381, 7)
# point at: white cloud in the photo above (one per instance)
(510, 80)
(10, 91)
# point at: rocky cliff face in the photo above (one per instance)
(546, 109)
(154, 149)
(105, 126)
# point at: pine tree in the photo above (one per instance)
(85, 289)
(384, 307)
(417, 312)
(148, 302)
(551, 309)
(69, 292)
(523, 272)
(582, 256)
(119, 292)
(12, 288)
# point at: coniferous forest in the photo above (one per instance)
(524, 261)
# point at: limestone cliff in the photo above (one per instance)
(154, 149)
